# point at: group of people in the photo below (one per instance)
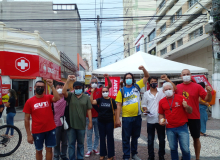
(170, 110)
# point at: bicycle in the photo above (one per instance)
(9, 144)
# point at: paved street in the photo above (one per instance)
(210, 145)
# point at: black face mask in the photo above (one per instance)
(39, 91)
(153, 85)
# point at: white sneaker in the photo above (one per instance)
(88, 154)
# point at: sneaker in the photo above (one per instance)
(96, 151)
(161, 158)
(135, 157)
(150, 158)
(88, 154)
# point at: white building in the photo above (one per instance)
(87, 56)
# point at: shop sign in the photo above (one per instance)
(113, 91)
(88, 79)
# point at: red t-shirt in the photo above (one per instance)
(178, 116)
(41, 113)
(97, 94)
(192, 92)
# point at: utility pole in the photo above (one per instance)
(216, 50)
(98, 44)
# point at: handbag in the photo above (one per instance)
(113, 111)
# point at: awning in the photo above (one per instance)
(22, 77)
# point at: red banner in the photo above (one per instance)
(5, 88)
(0, 90)
(49, 70)
(113, 91)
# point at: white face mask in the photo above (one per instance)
(168, 93)
(94, 85)
(9, 94)
(105, 94)
(59, 91)
(186, 78)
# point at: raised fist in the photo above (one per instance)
(49, 82)
(141, 67)
(71, 78)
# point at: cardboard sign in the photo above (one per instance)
(113, 91)
(5, 88)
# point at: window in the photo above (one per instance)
(145, 45)
(172, 33)
(162, 4)
(163, 51)
(153, 51)
(173, 46)
(163, 27)
(138, 48)
(152, 36)
(172, 19)
(179, 13)
(196, 33)
(180, 42)
(191, 3)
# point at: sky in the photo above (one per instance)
(110, 30)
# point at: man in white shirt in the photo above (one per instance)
(150, 105)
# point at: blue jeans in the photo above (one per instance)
(203, 117)
(106, 130)
(180, 134)
(131, 129)
(90, 132)
(151, 135)
(75, 135)
(61, 137)
(10, 121)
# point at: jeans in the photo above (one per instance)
(180, 134)
(161, 137)
(106, 129)
(75, 135)
(131, 129)
(10, 121)
(61, 137)
(90, 132)
(203, 117)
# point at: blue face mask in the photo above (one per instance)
(78, 91)
(128, 81)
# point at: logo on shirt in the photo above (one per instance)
(177, 104)
(41, 105)
(105, 104)
(185, 94)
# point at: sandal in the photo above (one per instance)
(203, 134)
(110, 158)
(102, 158)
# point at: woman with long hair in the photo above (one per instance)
(106, 110)
(11, 110)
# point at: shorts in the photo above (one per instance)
(49, 137)
(194, 127)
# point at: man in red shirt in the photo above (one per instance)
(43, 125)
(192, 91)
(97, 94)
(174, 108)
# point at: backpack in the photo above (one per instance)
(123, 92)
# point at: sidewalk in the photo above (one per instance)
(210, 145)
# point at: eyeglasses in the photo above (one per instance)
(42, 87)
(94, 83)
(128, 78)
(104, 91)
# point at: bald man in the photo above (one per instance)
(192, 91)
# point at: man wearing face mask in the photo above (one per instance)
(79, 106)
(61, 134)
(150, 105)
(97, 94)
(192, 91)
(43, 126)
(173, 110)
(129, 100)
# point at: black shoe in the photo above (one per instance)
(161, 158)
(150, 158)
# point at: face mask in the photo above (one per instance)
(78, 91)
(186, 78)
(168, 93)
(9, 94)
(39, 91)
(59, 91)
(94, 85)
(128, 81)
(153, 85)
(105, 94)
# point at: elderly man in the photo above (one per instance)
(97, 94)
(174, 108)
(192, 91)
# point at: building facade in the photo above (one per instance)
(181, 33)
(87, 56)
(134, 21)
(59, 23)
(24, 59)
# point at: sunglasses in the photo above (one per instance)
(104, 91)
(94, 83)
(42, 87)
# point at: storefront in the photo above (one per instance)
(20, 71)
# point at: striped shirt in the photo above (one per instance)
(59, 108)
